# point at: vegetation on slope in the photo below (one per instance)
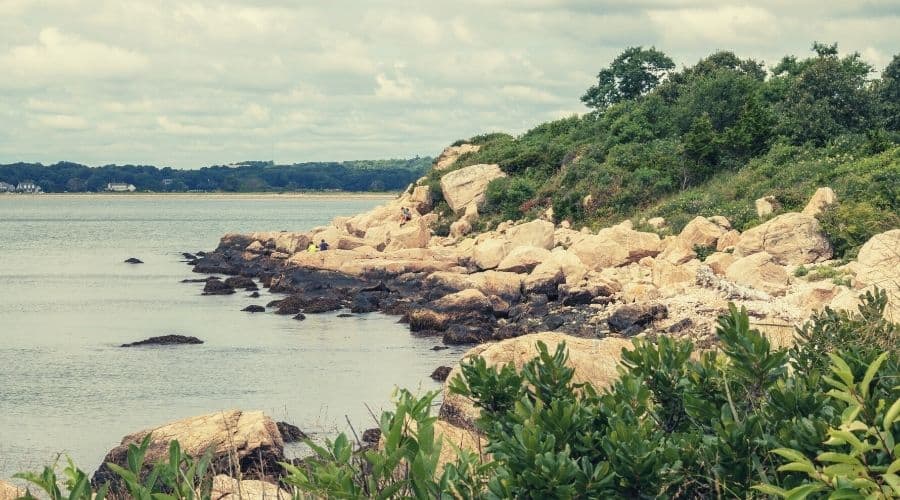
(710, 139)
(362, 175)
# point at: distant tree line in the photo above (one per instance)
(363, 175)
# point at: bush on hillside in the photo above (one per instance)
(850, 225)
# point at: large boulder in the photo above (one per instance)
(667, 275)
(767, 206)
(9, 491)
(537, 233)
(791, 238)
(879, 266)
(450, 154)
(823, 198)
(719, 262)
(760, 271)
(414, 234)
(488, 253)
(507, 286)
(470, 300)
(615, 246)
(466, 185)
(701, 232)
(241, 441)
(595, 361)
(228, 488)
(523, 259)
(561, 260)
(422, 199)
(631, 319)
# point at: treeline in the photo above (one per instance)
(364, 175)
(708, 139)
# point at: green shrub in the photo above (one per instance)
(850, 224)
(505, 197)
(182, 477)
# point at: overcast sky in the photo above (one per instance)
(188, 84)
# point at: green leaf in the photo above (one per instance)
(841, 458)
(802, 491)
(870, 374)
(771, 489)
(891, 415)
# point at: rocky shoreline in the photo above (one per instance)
(537, 276)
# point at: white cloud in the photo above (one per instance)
(723, 25)
(527, 93)
(398, 88)
(177, 128)
(61, 122)
(59, 55)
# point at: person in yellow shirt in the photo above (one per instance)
(312, 248)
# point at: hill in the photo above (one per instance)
(708, 140)
(361, 175)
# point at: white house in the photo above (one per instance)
(6, 187)
(120, 187)
(28, 187)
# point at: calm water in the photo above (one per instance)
(67, 301)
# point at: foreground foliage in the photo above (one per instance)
(821, 420)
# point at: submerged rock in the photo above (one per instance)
(133, 260)
(241, 282)
(165, 340)
(290, 433)
(216, 287)
(440, 373)
(254, 309)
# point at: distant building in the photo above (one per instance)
(167, 182)
(120, 187)
(28, 187)
(6, 187)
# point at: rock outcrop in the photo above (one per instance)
(467, 185)
(790, 238)
(615, 246)
(594, 360)
(245, 441)
(450, 154)
(9, 491)
(537, 233)
(760, 271)
(822, 199)
(165, 340)
(228, 488)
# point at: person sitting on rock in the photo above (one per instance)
(405, 215)
(323, 245)
(312, 248)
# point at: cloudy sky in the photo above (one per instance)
(192, 83)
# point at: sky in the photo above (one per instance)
(194, 83)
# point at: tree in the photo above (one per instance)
(632, 74)
(825, 96)
(889, 93)
(701, 149)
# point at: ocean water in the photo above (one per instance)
(67, 301)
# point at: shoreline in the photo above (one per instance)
(249, 196)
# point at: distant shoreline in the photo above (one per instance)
(261, 195)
